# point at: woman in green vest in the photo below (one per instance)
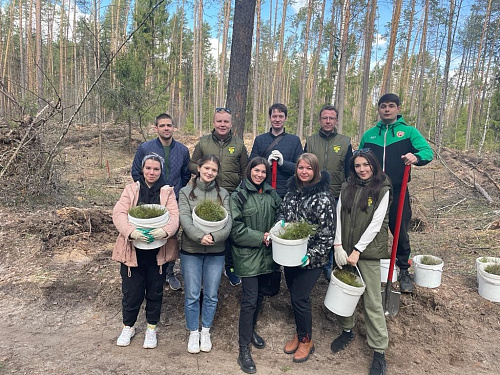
(362, 222)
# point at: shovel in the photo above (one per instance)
(274, 172)
(390, 298)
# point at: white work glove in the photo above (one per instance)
(158, 233)
(276, 227)
(138, 235)
(275, 155)
(340, 255)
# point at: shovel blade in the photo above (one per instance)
(390, 301)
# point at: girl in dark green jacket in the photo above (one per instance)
(362, 222)
(253, 208)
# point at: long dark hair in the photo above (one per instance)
(255, 162)
(205, 159)
(372, 188)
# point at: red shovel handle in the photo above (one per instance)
(274, 172)
(399, 215)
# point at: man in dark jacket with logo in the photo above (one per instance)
(278, 145)
(175, 161)
(333, 151)
(397, 144)
(233, 157)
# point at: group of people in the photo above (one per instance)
(349, 196)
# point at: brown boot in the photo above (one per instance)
(303, 351)
(292, 345)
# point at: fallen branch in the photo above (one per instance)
(483, 192)
(451, 205)
(453, 173)
(22, 142)
(473, 166)
(492, 180)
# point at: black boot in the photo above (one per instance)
(379, 365)
(258, 341)
(245, 360)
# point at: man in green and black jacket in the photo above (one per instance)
(233, 157)
(397, 144)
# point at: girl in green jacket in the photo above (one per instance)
(253, 207)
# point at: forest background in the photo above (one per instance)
(123, 62)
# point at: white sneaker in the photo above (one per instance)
(125, 336)
(150, 341)
(206, 344)
(194, 342)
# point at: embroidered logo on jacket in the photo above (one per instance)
(231, 149)
(370, 201)
(400, 134)
(336, 149)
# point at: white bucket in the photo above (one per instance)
(153, 223)
(287, 253)
(341, 299)
(428, 276)
(489, 284)
(209, 226)
(483, 260)
(384, 271)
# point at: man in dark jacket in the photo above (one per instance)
(333, 151)
(174, 154)
(175, 163)
(278, 145)
(233, 157)
(397, 144)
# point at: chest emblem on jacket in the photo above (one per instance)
(336, 149)
(231, 149)
(370, 201)
(400, 134)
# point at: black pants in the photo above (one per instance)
(300, 283)
(252, 295)
(228, 260)
(403, 252)
(144, 281)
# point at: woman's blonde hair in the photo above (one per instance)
(313, 161)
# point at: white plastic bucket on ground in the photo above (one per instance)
(482, 260)
(341, 299)
(153, 223)
(209, 226)
(287, 252)
(428, 276)
(384, 271)
(489, 284)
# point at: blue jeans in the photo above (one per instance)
(197, 271)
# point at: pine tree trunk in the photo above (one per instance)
(386, 78)
(422, 63)
(473, 83)
(346, 17)
(241, 55)
(256, 67)
(303, 72)
(317, 54)
(371, 11)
